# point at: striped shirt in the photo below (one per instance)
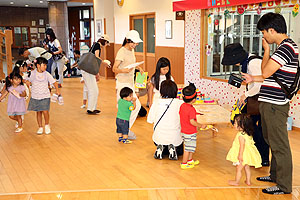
(286, 55)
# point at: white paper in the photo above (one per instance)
(134, 65)
(14, 92)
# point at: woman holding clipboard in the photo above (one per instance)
(124, 69)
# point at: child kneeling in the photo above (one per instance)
(126, 104)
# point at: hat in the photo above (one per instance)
(134, 36)
(234, 54)
(105, 37)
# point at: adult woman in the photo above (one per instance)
(125, 76)
(90, 80)
(55, 48)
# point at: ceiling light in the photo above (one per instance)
(83, 3)
(41, 2)
(11, 3)
(26, 5)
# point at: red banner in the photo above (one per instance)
(205, 4)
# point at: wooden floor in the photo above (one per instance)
(81, 158)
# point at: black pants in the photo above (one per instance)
(178, 149)
(259, 140)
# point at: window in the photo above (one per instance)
(21, 36)
(222, 31)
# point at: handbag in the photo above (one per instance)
(253, 105)
(89, 62)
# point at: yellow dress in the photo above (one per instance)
(251, 155)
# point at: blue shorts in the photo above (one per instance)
(122, 126)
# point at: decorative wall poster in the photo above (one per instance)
(41, 22)
(33, 23)
(295, 10)
(42, 30)
(141, 80)
(33, 30)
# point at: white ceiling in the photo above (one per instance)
(37, 3)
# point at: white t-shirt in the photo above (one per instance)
(55, 43)
(126, 57)
(168, 129)
(36, 52)
(254, 69)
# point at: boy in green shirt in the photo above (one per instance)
(126, 104)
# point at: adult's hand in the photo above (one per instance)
(242, 98)
(248, 78)
(265, 45)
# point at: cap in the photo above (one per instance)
(105, 37)
(134, 36)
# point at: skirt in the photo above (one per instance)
(39, 104)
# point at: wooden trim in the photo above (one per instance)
(295, 128)
(104, 24)
(203, 41)
(142, 14)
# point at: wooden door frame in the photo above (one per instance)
(143, 16)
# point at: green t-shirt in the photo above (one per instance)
(124, 109)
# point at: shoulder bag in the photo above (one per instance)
(89, 63)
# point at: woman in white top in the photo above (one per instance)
(162, 72)
(54, 47)
(164, 114)
(125, 76)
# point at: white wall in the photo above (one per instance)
(163, 11)
(105, 9)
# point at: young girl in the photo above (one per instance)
(16, 102)
(40, 94)
(163, 72)
(243, 152)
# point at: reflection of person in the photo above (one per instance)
(243, 152)
(125, 76)
(234, 54)
(189, 124)
(90, 80)
(126, 105)
(56, 51)
(274, 106)
(162, 72)
(164, 114)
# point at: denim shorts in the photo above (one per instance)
(122, 126)
(39, 104)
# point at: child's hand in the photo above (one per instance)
(240, 158)
(203, 126)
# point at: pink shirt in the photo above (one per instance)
(40, 83)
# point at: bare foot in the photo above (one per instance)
(233, 182)
(248, 183)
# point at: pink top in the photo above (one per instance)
(15, 105)
(40, 82)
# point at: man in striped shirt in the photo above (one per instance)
(274, 106)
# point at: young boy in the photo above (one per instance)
(126, 104)
(189, 126)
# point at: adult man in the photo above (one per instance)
(274, 105)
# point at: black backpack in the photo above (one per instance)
(293, 89)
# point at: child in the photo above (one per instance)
(40, 94)
(189, 126)
(164, 114)
(243, 152)
(16, 106)
(126, 104)
(163, 72)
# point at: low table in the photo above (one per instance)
(212, 114)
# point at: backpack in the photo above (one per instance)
(293, 89)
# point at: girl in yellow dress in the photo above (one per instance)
(243, 152)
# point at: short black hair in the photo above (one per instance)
(41, 60)
(21, 51)
(77, 52)
(272, 20)
(189, 91)
(168, 89)
(125, 92)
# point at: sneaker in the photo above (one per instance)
(126, 141)
(40, 131)
(54, 98)
(90, 112)
(17, 124)
(193, 162)
(172, 152)
(60, 100)
(96, 111)
(274, 190)
(265, 179)
(18, 130)
(47, 129)
(158, 152)
(120, 139)
(186, 166)
(83, 106)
